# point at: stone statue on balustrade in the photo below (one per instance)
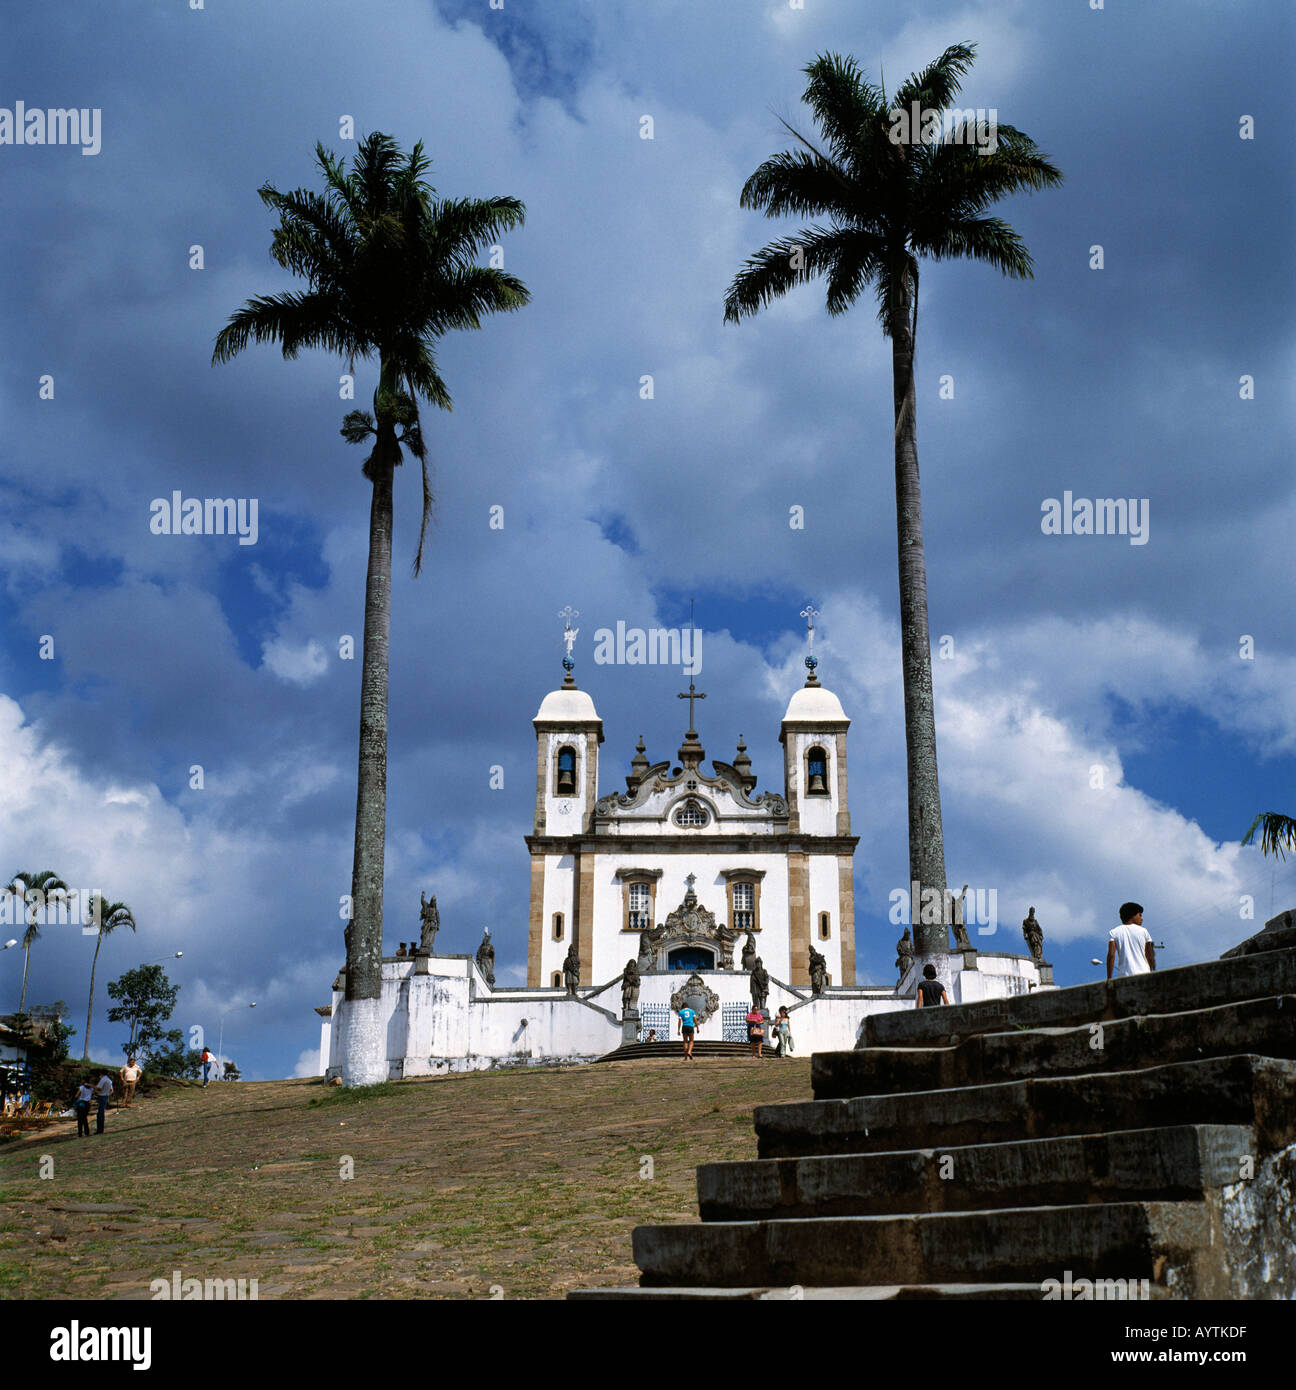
(630, 987)
(571, 969)
(749, 957)
(486, 958)
(904, 955)
(760, 982)
(1034, 935)
(429, 925)
(818, 972)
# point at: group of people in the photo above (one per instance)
(102, 1089)
(1129, 952)
(759, 1022)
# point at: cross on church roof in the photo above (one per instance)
(810, 613)
(690, 695)
(569, 638)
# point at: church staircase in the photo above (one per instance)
(674, 1050)
(1135, 1138)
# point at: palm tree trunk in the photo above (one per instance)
(364, 1036)
(926, 837)
(22, 998)
(94, 965)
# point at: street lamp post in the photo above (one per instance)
(220, 1042)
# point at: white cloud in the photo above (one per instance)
(301, 662)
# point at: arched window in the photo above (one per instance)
(557, 926)
(691, 815)
(565, 782)
(816, 772)
(557, 979)
(825, 926)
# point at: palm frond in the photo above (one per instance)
(1277, 833)
(936, 86)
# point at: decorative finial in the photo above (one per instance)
(810, 613)
(569, 638)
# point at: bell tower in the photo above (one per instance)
(568, 734)
(821, 885)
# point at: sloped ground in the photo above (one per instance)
(508, 1184)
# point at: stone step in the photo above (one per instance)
(1178, 1163)
(674, 1051)
(1279, 934)
(1262, 1027)
(1242, 1090)
(869, 1293)
(1156, 1241)
(1254, 976)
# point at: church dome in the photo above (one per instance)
(569, 706)
(814, 705)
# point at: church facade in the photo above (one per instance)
(771, 871)
(690, 887)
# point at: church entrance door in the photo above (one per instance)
(691, 958)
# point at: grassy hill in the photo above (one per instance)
(524, 1182)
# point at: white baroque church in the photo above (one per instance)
(700, 888)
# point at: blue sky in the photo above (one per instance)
(1068, 653)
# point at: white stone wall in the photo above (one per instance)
(449, 1019)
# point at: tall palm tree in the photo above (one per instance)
(50, 886)
(110, 916)
(1277, 833)
(389, 268)
(888, 203)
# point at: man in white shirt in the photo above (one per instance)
(1129, 946)
(103, 1089)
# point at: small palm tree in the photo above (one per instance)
(1277, 833)
(48, 886)
(889, 202)
(110, 916)
(390, 269)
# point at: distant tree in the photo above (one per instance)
(232, 1072)
(110, 916)
(168, 1055)
(1277, 833)
(146, 998)
(47, 1047)
(35, 890)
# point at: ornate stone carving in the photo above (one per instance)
(697, 996)
(1034, 935)
(725, 938)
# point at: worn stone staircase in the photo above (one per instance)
(673, 1050)
(1123, 1139)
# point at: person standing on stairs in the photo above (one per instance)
(930, 989)
(687, 1023)
(1129, 946)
